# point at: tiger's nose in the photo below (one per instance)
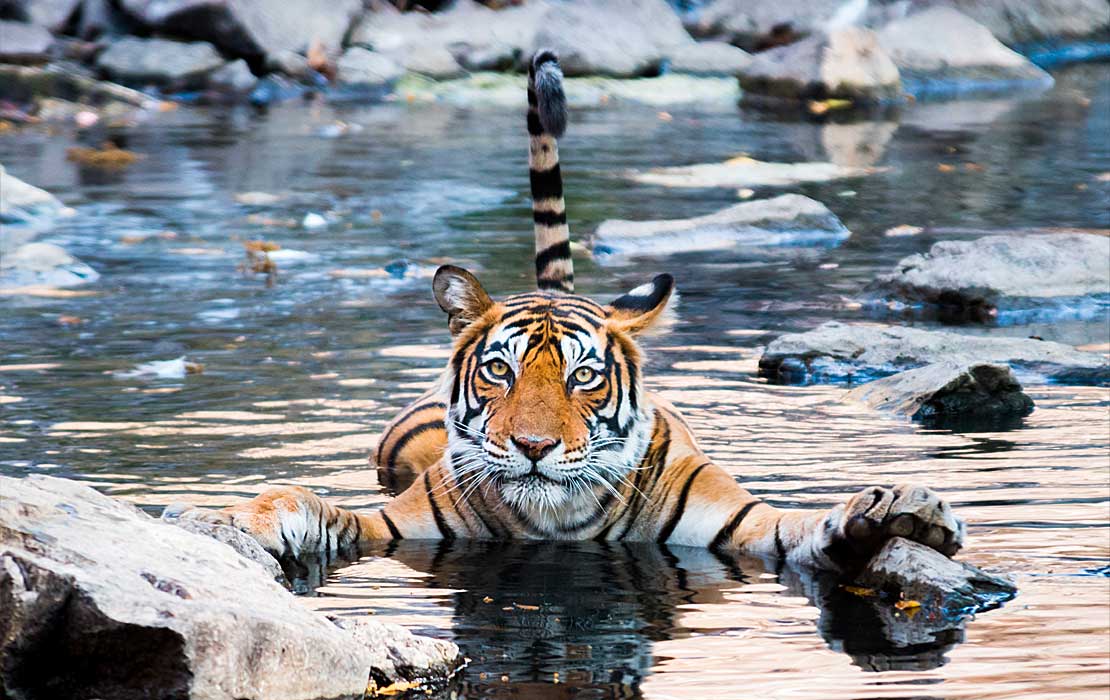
(534, 448)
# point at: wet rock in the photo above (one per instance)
(250, 29)
(908, 571)
(709, 58)
(43, 264)
(838, 351)
(100, 600)
(24, 211)
(1017, 21)
(746, 172)
(941, 51)
(24, 43)
(753, 24)
(970, 279)
(948, 391)
(173, 65)
(846, 63)
(66, 81)
(366, 70)
(618, 38)
(233, 78)
(789, 219)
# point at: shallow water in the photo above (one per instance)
(299, 376)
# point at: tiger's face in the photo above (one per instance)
(546, 412)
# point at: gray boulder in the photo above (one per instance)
(1017, 21)
(24, 43)
(948, 391)
(360, 69)
(98, 599)
(750, 24)
(169, 64)
(24, 211)
(709, 58)
(246, 546)
(942, 50)
(433, 61)
(789, 219)
(250, 28)
(972, 278)
(51, 14)
(846, 63)
(45, 264)
(837, 351)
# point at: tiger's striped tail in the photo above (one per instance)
(547, 120)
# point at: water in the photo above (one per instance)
(298, 377)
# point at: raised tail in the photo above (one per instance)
(547, 120)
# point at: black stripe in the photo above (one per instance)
(441, 522)
(726, 532)
(393, 531)
(408, 436)
(553, 252)
(534, 126)
(549, 218)
(546, 184)
(780, 548)
(358, 528)
(680, 507)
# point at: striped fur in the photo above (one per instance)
(547, 117)
(622, 464)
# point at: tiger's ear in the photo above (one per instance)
(460, 294)
(643, 307)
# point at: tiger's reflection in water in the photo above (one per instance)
(589, 613)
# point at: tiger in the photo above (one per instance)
(540, 428)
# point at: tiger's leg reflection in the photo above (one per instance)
(588, 613)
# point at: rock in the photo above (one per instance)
(618, 38)
(54, 15)
(360, 69)
(290, 63)
(101, 18)
(789, 219)
(241, 542)
(173, 65)
(492, 56)
(709, 58)
(746, 172)
(65, 81)
(943, 51)
(46, 264)
(250, 29)
(837, 351)
(98, 599)
(24, 209)
(754, 24)
(1017, 21)
(846, 63)
(947, 391)
(235, 77)
(908, 571)
(24, 43)
(433, 61)
(969, 279)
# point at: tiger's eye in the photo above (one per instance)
(582, 375)
(497, 368)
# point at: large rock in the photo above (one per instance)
(837, 351)
(43, 264)
(250, 29)
(746, 172)
(52, 14)
(170, 64)
(709, 58)
(1018, 21)
(362, 70)
(25, 210)
(99, 600)
(941, 50)
(948, 391)
(789, 219)
(752, 24)
(845, 63)
(972, 278)
(24, 43)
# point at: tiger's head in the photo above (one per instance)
(547, 411)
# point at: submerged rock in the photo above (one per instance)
(97, 599)
(970, 279)
(847, 63)
(746, 172)
(1017, 21)
(43, 264)
(839, 351)
(24, 43)
(709, 58)
(948, 391)
(173, 65)
(789, 219)
(941, 51)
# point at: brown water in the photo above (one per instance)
(299, 377)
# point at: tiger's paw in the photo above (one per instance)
(273, 518)
(875, 515)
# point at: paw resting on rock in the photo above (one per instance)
(876, 514)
